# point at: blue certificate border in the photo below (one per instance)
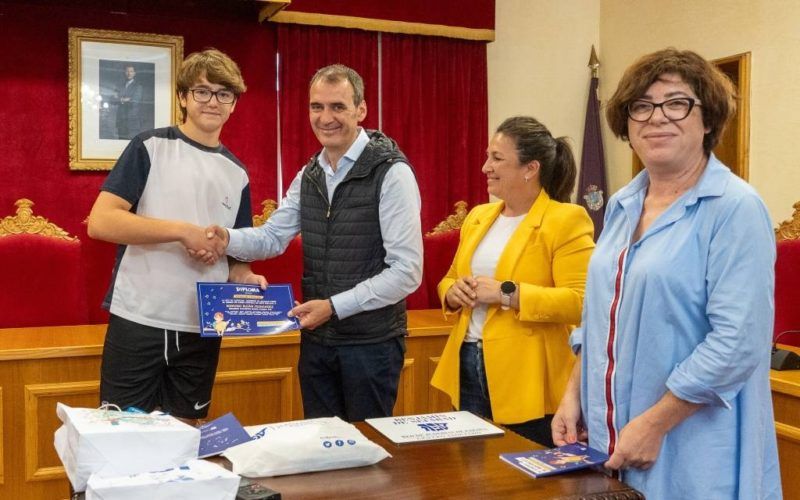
(265, 315)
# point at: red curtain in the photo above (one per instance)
(435, 107)
(303, 50)
(33, 118)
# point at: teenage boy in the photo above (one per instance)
(168, 185)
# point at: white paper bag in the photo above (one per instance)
(197, 479)
(303, 446)
(114, 443)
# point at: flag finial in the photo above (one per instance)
(594, 62)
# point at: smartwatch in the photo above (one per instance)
(507, 289)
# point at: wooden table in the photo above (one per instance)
(786, 402)
(468, 468)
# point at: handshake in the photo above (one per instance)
(206, 245)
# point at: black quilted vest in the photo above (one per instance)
(343, 244)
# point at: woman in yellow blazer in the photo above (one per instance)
(517, 283)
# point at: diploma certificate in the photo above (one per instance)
(234, 309)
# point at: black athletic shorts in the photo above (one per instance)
(152, 368)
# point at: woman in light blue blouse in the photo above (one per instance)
(673, 378)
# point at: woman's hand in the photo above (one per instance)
(638, 445)
(462, 293)
(487, 290)
(640, 440)
(567, 425)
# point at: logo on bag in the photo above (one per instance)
(433, 427)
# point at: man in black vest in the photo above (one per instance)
(357, 206)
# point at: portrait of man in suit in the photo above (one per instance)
(130, 99)
(126, 104)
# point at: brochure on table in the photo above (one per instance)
(567, 458)
(220, 434)
(433, 427)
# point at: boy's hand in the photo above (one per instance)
(202, 247)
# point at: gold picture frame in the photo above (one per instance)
(120, 83)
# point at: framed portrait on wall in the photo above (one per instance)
(120, 84)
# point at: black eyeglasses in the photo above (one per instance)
(674, 109)
(224, 96)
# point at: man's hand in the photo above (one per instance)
(312, 313)
(487, 290)
(462, 293)
(638, 445)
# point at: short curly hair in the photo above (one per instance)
(714, 89)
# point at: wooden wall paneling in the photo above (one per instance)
(253, 353)
(2, 449)
(405, 403)
(789, 456)
(437, 400)
(786, 405)
(255, 396)
(41, 461)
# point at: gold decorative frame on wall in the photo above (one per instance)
(107, 106)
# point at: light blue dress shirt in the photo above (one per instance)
(686, 308)
(400, 224)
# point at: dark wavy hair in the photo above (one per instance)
(533, 141)
(712, 87)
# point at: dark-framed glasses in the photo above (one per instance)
(674, 109)
(224, 96)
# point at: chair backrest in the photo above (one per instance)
(42, 280)
(787, 291)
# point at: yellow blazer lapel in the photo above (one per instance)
(476, 231)
(519, 240)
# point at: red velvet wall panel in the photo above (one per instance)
(303, 51)
(787, 293)
(465, 13)
(435, 107)
(33, 117)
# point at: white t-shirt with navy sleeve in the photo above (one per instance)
(165, 175)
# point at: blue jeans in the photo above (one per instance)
(474, 396)
(352, 382)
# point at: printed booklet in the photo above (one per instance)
(220, 434)
(567, 458)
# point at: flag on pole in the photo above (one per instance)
(592, 192)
